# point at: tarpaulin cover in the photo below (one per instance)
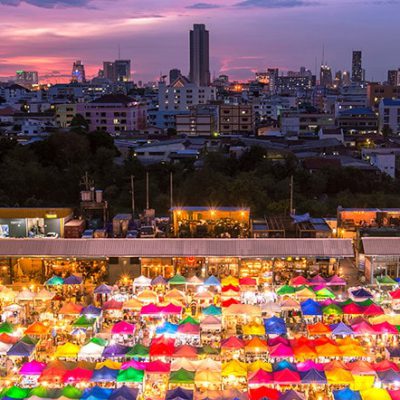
(130, 375)
(123, 328)
(115, 350)
(182, 376)
(32, 368)
(311, 307)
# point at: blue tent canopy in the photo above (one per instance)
(96, 392)
(341, 329)
(361, 293)
(346, 394)
(91, 310)
(394, 352)
(311, 307)
(115, 350)
(124, 393)
(212, 310)
(104, 374)
(21, 349)
(212, 281)
(167, 328)
(313, 376)
(179, 393)
(284, 364)
(275, 326)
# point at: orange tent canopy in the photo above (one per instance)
(318, 329)
(71, 309)
(37, 329)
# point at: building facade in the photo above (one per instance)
(389, 116)
(236, 118)
(199, 56)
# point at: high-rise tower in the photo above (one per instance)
(356, 67)
(199, 55)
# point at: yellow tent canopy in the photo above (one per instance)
(207, 377)
(362, 382)
(393, 319)
(254, 329)
(305, 293)
(67, 350)
(260, 364)
(109, 364)
(234, 368)
(230, 280)
(339, 376)
(374, 394)
(132, 304)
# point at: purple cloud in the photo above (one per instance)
(203, 6)
(47, 3)
(275, 3)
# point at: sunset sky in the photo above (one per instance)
(245, 35)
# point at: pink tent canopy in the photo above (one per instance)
(113, 305)
(189, 329)
(247, 281)
(150, 309)
(309, 364)
(233, 343)
(281, 351)
(123, 328)
(353, 309)
(158, 367)
(336, 281)
(299, 281)
(32, 368)
(133, 364)
(171, 309)
(260, 377)
(286, 376)
(373, 309)
(385, 327)
(385, 365)
(363, 328)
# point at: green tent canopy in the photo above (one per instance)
(386, 280)
(182, 376)
(207, 349)
(15, 392)
(84, 322)
(364, 303)
(189, 320)
(177, 280)
(99, 341)
(325, 293)
(332, 309)
(6, 327)
(138, 350)
(71, 392)
(130, 375)
(29, 340)
(285, 289)
(212, 310)
(54, 281)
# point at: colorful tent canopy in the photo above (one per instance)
(115, 350)
(6, 327)
(182, 376)
(254, 329)
(37, 329)
(138, 351)
(212, 281)
(150, 309)
(54, 281)
(332, 309)
(346, 394)
(234, 368)
(311, 307)
(275, 326)
(177, 280)
(130, 375)
(318, 329)
(230, 280)
(21, 349)
(67, 350)
(167, 329)
(179, 394)
(91, 310)
(385, 280)
(286, 377)
(247, 281)
(336, 281)
(70, 309)
(285, 290)
(73, 280)
(123, 328)
(212, 310)
(103, 289)
(260, 377)
(232, 343)
(171, 309)
(142, 281)
(32, 368)
(299, 281)
(84, 321)
(159, 280)
(113, 305)
(162, 347)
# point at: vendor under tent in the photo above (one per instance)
(91, 310)
(147, 297)
(112, 305)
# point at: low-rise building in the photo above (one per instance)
(358, 120)
(389, 116)
(199, 122)
(65, 113)
(236, 118)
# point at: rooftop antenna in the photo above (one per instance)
(119, 51)
(323, 54)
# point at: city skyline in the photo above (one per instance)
(49, 35)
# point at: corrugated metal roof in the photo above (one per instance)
(381, 246)
(18, 212)
(177, 247)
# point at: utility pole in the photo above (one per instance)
(147, 190)
(291, 195)
(171, 189)
(133, 195)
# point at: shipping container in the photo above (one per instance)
(73, 229)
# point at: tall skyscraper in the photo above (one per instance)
(122, 70)
(356, 67)
(199, 56)
(174, 74)
(273, 74)
(325, 76)
(78, 72)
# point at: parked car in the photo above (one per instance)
(133, 234)
(51, 235)
(147, 232)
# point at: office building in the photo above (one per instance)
(122, 70)
(376, 92)
(200, 121)
(273, 74)
(394, 77)
(26, 78)
(174, 74)
(108, 70)
(78, 72)
(360, 120)
(356, 67)
(199, 56)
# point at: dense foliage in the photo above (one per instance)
(48, 173)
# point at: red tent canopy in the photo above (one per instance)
(162, 347)
(299, 281)
(286, 376)
(373, 309)
(113, 305)
(71, 309)
(77, 375)
(264, 393)
(229, 302)
(353, 309)
(247, 281)
(260, 377)
(233, 343)
(395, 295)
(158, 367)
(230, 287)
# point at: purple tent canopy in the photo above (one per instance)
(21, 349)
(341, 329)
(317, 280)
(159, 280)
(96, 392)
(103, 289)
(179, 393)
(336, 281)
(73, 280)
(91, 310)
(361, 293)
(124, 393)
(115, 350)
(313, 376)
(291, 395)
(32, 368)
(389, 376)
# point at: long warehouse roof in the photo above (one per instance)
(381, 246)
(177, 247)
